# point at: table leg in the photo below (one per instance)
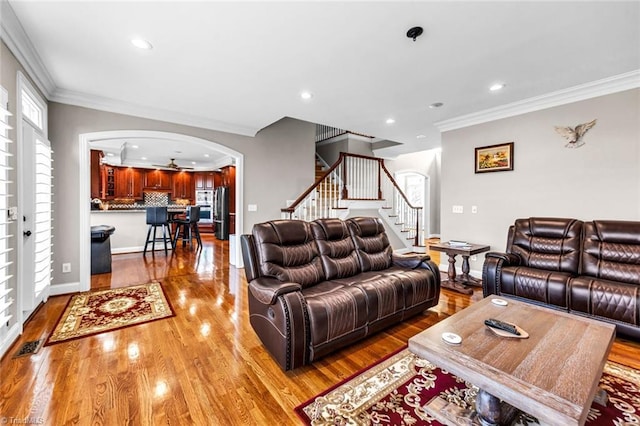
(491, 411)
(451, 273)
(488, 408)
(451, 283)
(466, 278)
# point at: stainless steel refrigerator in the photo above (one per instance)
(221, 212)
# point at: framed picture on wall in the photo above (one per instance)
(494, 158)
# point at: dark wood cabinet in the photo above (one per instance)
(228, 178)
(183, 185)
(157, 179)
(108, 182)
(204, 180)
(128, 183)
(96, 177)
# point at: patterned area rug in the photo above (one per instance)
(99, 311)
(395, 391)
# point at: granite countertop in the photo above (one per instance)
(138, 208)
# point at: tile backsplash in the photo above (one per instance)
(156, 198)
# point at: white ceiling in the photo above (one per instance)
(240, 66)
(154, 152)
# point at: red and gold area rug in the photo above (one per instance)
(99, 311)
(395, 391)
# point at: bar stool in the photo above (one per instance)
(189, 227)
(157, 216)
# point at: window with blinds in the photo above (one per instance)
(8, 314)
(42, 216)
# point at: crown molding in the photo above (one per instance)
(17, 40)
(119, 107)
(15, 37)
(606, 86)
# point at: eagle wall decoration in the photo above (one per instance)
(574, 134)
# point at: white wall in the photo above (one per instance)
(278, 163)
(600, 180)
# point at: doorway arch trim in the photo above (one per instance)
(85, 189)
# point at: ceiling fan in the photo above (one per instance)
(172, 165)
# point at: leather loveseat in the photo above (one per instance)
(315, 287)
(586, 268)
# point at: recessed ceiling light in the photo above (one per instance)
(134, 146)
(421, 136)
(143, 158)
(206, 155)
(436, 105)
(193, 162)
(390, 121)
(497, 86)
(141, 43)
(306, 95)
(109, 154)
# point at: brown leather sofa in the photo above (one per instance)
(586, 268)
(315, 287)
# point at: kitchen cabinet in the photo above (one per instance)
(182, 185)
(157, 179)
(96, 179)
(228, 179)
(128, 183)
(204, 180)
(108, 182)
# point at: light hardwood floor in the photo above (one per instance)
(205, 366)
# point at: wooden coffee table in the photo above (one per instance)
(552, 375)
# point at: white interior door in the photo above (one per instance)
(36, 250)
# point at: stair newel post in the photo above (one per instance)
(380, 162)
(345, 192)
(417, 239)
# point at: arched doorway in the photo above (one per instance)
(85, 193)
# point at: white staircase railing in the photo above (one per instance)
(357, 178)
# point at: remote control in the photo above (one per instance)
(491, 322)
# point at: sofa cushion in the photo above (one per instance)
(335, 310)
(418, 284)
(336, 248)
(551, 244)
(384, 294)
(372, 244)
(394, 289)
(616, 301)
(535, 284)
(287, 251)
(611, 250)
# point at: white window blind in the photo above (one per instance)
(42, 216)
(7, 241)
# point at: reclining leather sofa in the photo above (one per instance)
(315, 287)
(586, 268)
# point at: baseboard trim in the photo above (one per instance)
(10, 338)
(122, 250)
(64, 288)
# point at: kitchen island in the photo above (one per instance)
(131, 227)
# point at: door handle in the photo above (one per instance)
(27, 233)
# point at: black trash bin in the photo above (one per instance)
(101, 249)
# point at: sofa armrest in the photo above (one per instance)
(422, 261)
(508, 258)
(412, 261)
(266, 290)
(492, 270)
